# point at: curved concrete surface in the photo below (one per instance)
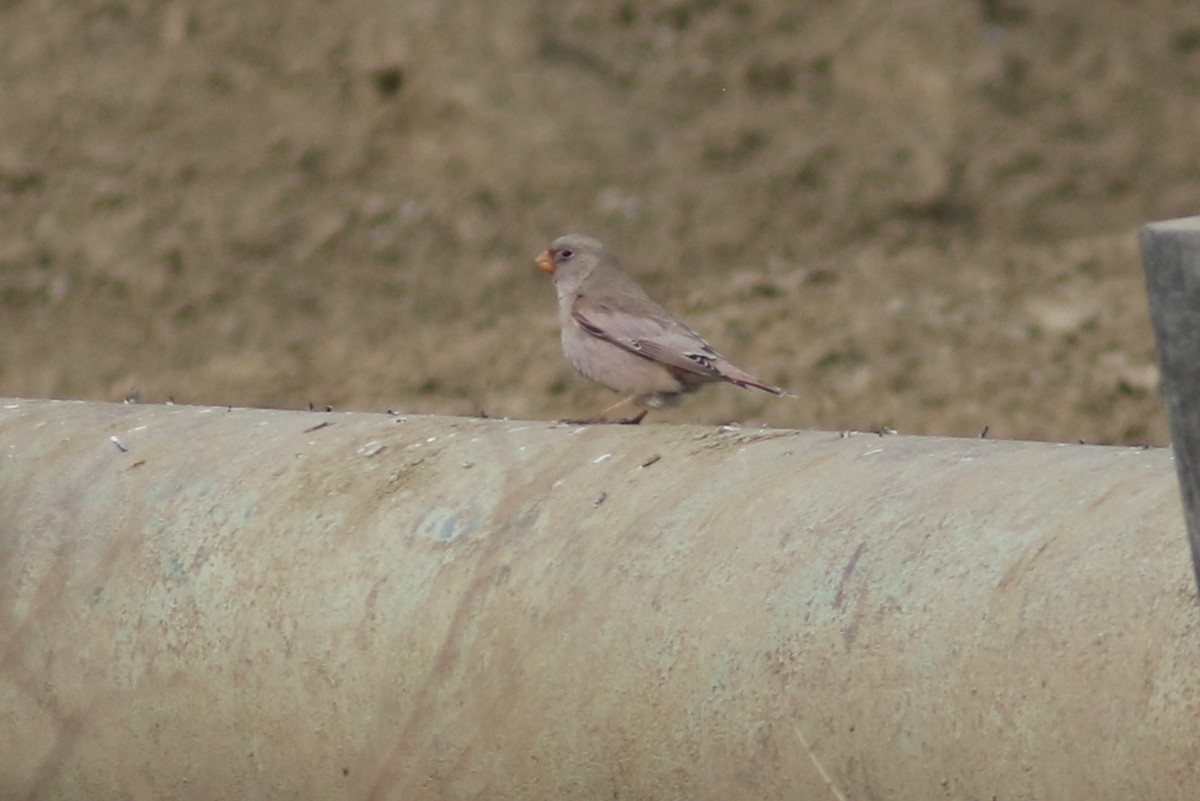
(209, 603)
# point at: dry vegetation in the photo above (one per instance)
(915, 213)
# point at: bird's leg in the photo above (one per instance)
(631, 421)
(602, 417)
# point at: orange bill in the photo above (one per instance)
(545, 261)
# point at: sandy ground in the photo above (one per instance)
(916, 214)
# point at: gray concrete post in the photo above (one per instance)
(1171, 258)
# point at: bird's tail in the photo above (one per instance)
(735, 375)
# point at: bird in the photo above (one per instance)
(614, 334)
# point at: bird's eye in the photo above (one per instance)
(566, 254)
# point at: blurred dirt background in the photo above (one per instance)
(914, 213)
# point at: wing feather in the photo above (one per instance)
(655, 336)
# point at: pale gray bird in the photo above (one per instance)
(615, 335)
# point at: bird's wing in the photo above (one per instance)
(651, 333)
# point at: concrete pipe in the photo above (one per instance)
(204, 603)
